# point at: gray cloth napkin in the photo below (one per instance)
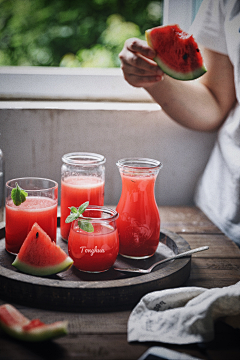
(184, 315)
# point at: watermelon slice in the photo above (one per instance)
(178, 54)
(19, 327)
(40, 256)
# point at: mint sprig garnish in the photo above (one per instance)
(18, 195)
(76, 214)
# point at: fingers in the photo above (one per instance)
(137, 64)
(141, 77)
(143, 81)
(140, 46)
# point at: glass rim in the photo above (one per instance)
(113, 214)
(134, 162)
(55, 184)
(74, 158)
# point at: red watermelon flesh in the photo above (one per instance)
(40, 256)
(19, 327)
(178, 54)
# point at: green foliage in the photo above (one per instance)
(72, 33)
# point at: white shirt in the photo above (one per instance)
(217, 27)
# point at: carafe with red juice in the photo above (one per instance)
(139, 220)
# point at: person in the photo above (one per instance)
(209, 103)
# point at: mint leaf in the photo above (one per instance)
(76, 214)
(18, 195)
(71, 218)
(83, 207)
(85, 225)
(73, 209)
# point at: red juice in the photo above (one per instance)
(95, 251)
(75, 190)
(139, 221)
(20, 219)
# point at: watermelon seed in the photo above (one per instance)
(197, 50)
(37, 235)
(185, 56)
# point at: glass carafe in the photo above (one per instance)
(139, 220)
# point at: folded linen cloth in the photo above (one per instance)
(184, 315)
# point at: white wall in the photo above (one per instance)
(35, 135)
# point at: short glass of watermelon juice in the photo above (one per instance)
(40, 206)
(96, 251)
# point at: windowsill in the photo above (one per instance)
(78, 105)
(71, 84)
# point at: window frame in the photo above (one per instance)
(77, 84)
(85, 84)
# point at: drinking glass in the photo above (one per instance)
(82, 179)
(40, 206)
(94, 251)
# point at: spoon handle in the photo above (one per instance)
(190, 252)
(185, 253)
(146, 271)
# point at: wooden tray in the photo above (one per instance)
(74, 290)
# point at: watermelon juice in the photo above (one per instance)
(139, 220)
(75, 190)
(95, 251)
(20, 219)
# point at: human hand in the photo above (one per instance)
(137, 64)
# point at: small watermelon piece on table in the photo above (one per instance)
(178, 54)
(18, 326)
(40, 256)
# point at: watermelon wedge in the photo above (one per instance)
(19, 327)
(178, 54)
(40, 256)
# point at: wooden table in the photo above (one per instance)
(103, 335)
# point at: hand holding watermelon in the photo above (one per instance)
(200, 105)
(177, 53)
(174, 51)
(138, 65)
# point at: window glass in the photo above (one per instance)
(86, 33)
(77, 43)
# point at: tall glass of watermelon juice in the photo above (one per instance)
(40, 206)
(82, 179)
(139, 220)
(94, 251)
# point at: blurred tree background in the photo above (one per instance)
(85, 33)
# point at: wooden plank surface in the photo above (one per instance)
(103, 335)
(220, 246)
(186, 219)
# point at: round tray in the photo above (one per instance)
(74, 290)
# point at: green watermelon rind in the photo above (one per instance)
(191, 75)
(34, 331)
(42, 270)
(41, 333)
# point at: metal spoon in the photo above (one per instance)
(147, 271)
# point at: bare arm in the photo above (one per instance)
(201, 104)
